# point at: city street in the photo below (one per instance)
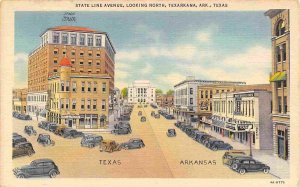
(162, 157)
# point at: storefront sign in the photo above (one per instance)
(244, 127)
(243, 95)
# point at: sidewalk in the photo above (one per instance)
(279, 167)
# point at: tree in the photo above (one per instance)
(124, 92)
(170, 92)
(158, 91)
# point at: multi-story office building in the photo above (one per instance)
(20, 100)
(165, 101)
(280, 80)
(141, 91)
(185, 98)
(78, 101)
(244, 116)
(89, 51)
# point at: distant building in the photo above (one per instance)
(164, 100)
(20, 100)
(78, 101)
(89, 51)
(185, 98)
(280, 80)
(141, 91)
(244, 116)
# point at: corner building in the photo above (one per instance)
(90, 52)
(78, 101)
(280, 81)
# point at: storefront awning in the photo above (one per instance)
(279, 76)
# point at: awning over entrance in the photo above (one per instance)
(279, 76)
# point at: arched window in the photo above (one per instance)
(280, 28)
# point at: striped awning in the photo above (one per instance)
(278, 76)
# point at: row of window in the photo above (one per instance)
(85, 86)
(42, 98)
(81, 62)
(85, 104)
(73, 53)
(72, 39)
(282, 107)
(279, 84)
(281, 53)
(245, 108)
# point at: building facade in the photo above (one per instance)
(185, 98)
(141, 91)
(280, 81)
(244, 117)
(20, 100)
(89, 51)
(78, 101)
(165, 102)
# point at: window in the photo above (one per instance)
(67, 104)
(54, 70)
(62, 86)
(278, 84)
(191, 101)
(81, 62)
(103, 87)
(55, 51)
(73, 104)
(82, 39)
(73, 53)
(55, 61)
(67, 86)
(95, 86)
(74, 86)
(98, 63)
(61, 103)
(238, 106)
(201, 94)
(98, 41)
(284, 52)
(82, 86)
(73, 61)
(65, 38)
(89, 104)
(284, 83)
(55, 37)
(81, 53)
(89, 86)
(90, 54)
(94, 104)
(98, 55)
(73, 40)
(82, 104)
(103, 105)
(280, 29)
(284, 104)
(278, 54)
(191, 91)
(90, 63)
(206, 94)
(90, 40)
(279, 105)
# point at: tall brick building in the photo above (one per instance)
(89, 51)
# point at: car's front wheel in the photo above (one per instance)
(234, 166)
(214, 148)
(242, 171)
(52, 174)
(29, 153)
(20, 176)
(266, 170)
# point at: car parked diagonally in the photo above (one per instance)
(45, 140)
(171, 133)
(248, 164)
(91, 140)
(134, 143)
(22, 149)
(29, 130)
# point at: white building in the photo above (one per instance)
(36, 104)
(244, 117)
(141, 91)
(185, 98)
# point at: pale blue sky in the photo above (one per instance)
(164, 47)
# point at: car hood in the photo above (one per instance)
(26, 167)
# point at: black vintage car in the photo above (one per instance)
(190, 131)
(218, 145)
(18, 139)
(121, 130)
(204, 138)
(123, 124)
(22, 149)
(45, 140)
(178, 124)
(247, 164)
(52, 127)
(71, 133)
(29, 130)
(171, 133)
(37, 168)
(91, 140)
(198, 136)
(134, 143)
(43, 124)
(169, 116)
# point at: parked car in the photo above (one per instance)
(248, 164)
(178, 124)
(193, 133)
(91, 140)
(229, 155)
(48, 125)
(198, 136)
(71, 133)
(42, 124)
(121, 130)
(60, 130)
(184, 127)
(18, 139)
(124, 117)
(218, 145)
(122, 124)
(157, 116)
(16, 135)
(22, 116)
(204, 138)
(109, 146)
(140, 113)
(209, 139)
(29, 130)
(53, 127)
(190, 131)
(22, 149)
(45, 140)
(169, 116)
(134, 143)
(171, 133)
(40, 167)
(143, 119)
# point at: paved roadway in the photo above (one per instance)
(162, 157)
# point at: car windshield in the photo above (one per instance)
(33, 163)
